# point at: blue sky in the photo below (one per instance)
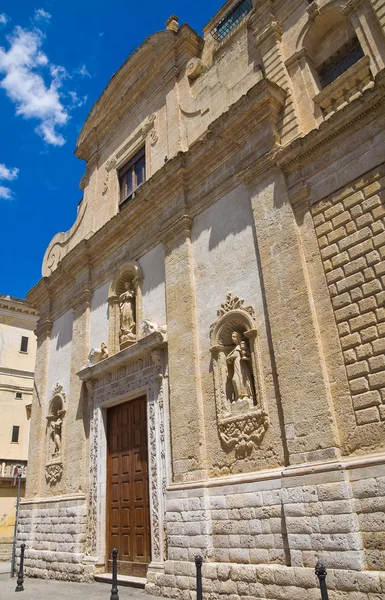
(55, 60)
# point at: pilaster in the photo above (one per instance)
(186, 410)
(36, 452)
(77, 417)
(309, 419)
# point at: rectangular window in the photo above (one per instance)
(231, 20)
(15, 434)
(19, 395)
(24, 344)
(132, 175)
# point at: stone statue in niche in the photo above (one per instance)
(240, 404)
(56, 434)
(127, 316)
(240, 370)
(56, 413)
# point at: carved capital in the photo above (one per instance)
(181, 226)
(351, 7)
(273, 30)
(43, 328)
(313, 10)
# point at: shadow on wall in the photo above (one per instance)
(236, 217)
(63, 330)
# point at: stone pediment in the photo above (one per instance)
(127, 82)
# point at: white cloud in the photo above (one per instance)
(76, 101)
(5, 193)
(83, 71)
(24, 84)
(41, 15)
(3, 19)
(8, 174)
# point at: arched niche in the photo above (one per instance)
(55, 417)
(125, 307)
(240, 406)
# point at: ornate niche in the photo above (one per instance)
(242, 420)
(125, 308)
(56, 413)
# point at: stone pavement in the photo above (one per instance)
(44, 589)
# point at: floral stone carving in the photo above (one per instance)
(53, 473)
(242, 420)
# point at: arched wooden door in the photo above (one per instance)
(128, 521)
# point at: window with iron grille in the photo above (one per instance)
(231, 20)
(340, 62)
(132, 175)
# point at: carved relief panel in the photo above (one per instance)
(240, 407)
(56, 414)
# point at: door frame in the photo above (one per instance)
(140, 370)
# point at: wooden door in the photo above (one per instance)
(128, 521)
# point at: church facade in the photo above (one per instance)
(210, 373)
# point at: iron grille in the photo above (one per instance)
(340, 62)
(231, 20)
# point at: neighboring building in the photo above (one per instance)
(225, 281)
(17, 363)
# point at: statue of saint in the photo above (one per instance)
(56, 434)
(127, 310)
(239, 369)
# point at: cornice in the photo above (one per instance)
(17, 373)
(144, 346)
(17, 308)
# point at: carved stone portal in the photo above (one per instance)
(56, 413)
(242, 420)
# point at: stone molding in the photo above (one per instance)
(140, 369)
(348, 464)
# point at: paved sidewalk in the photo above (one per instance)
(47, 589)
(5, 567)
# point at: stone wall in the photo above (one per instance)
(263, 538)
(55, 534)
(350, 227)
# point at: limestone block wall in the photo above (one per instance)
(350, 227)
(368, 487)
(55, 534)
(262, 538)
